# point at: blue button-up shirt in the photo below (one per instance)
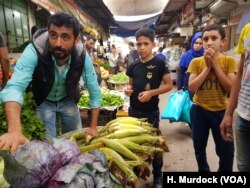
(23, 72)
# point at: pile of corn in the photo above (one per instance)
(129, 145)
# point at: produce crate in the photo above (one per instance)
(121, 113)
(104, 116)
(116, 86)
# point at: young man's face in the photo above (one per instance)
(62, 41)
(144, 47)
(212, 39)
(90, 44)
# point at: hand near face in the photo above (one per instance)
(209, 56)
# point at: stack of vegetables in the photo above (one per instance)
(59, 164)
(119, 78)
(102, 63)
(129, 145)
(33, 127)
(108, 99)
(104, 73)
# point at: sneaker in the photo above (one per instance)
(157, 182)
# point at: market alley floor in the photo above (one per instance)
(181, 157)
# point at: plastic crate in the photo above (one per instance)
(105, 116)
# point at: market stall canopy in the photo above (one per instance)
(179, 13)
(92, 14)
(97, 10)
(172, 14)
(130, 15)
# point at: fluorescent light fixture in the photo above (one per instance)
(17, 14)
(135, 18)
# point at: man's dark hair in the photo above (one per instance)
(89, 37)
(145, 32)
(33, 30)
(131, 44)
(216, 27)
(160, 49)
(65, 19)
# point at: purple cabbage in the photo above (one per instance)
(67, 149)
(32, 165)
(71, 176)
(39, 164)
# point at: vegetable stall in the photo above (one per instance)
(118, 157)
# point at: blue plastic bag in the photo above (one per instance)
(178, 107)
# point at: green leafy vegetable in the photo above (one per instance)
(108, 100)
(119, 78)
(33, 127)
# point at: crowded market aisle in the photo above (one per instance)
(180, 157)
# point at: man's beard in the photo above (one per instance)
(60, 53)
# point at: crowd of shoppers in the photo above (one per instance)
(52, 65)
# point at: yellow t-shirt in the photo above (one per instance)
(211, 95)
(245, 33)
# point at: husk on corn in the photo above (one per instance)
(129, 145)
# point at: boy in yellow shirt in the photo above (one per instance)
(210, 79)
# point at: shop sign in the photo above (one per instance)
(47, 5)
(187, 31)
(187, 13)
(235, 20)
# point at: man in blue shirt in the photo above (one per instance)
(159, 54)
(51, 68)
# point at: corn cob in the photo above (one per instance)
(146, 128)
(131, 177)
(141, 168)
(118, 119)
(122, 150)
(77, 135)
(91, 147)
(125, 133)
(111, 154)
(133, 146)
(133, 164)
(146, 138)
(121, 126)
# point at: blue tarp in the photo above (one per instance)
(122, 32)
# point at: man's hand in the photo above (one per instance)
(92, 131)
(11, 141)
(210, 57)
(144, 96)
(128, 90)
(226, 128)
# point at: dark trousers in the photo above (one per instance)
(153, 118)
(202, 121)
